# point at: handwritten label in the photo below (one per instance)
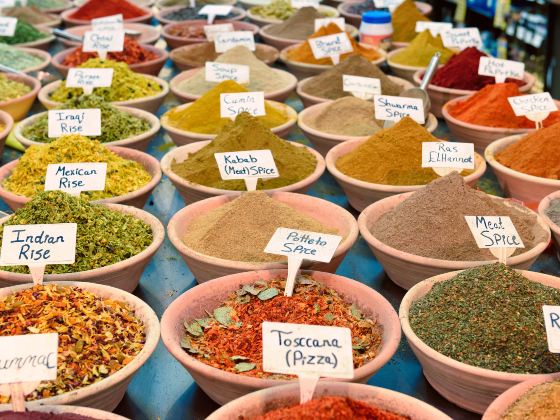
(361, 87)
(86, 122)
(330, 46)
(218, 72)
(7, 26)
(501, 69)
(319, 23)
(461, 38)
(39, 244)
(232, 104)
(74, 178)
(247, 164)
(108, 23)
(552, 326)
(390, 4)
(87, 79)
(211, 30)
(535, 103)
(494, 232)
(444, 154)
(213, 10)
(395, 108)
(227, 40)
(298, 4)
(103, 42)
(27, 358)
(435, 28)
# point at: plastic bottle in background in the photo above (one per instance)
(376, 28)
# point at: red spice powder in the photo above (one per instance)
(99, 8)
(132, 53)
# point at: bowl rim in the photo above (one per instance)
(33, 83)
(284, 57)
(8, 121)
(201, 22)
(264, 20)
(65, 15)
(350, 29)
(543, 206)
(43, 55)
(238, 14)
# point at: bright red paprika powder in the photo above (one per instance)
(100, 8)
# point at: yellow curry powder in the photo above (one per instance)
(404, 19)
(421, 50)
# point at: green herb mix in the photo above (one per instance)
(24, 33)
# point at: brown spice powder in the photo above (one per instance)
(542, 402)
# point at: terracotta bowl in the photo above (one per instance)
(137, 198)
(407, 269)
(543, 206)
(279, 95)
(7, 122)
(43, 55)
(150, 104)
(440, 95)
(152, 67)
(309, 100)
(185, 57)
(522, 187)
(501, 405)
(324, 141)
(401, 70)
(260, 402)
(192, 192)
(224, 387)
(356, 19)
(239, 14)
(303, 70)
(469, 387)
(107, 393)
(19, 107)
(148, 34)
(68, 21)
(174, 41)
(123, 275)
(182, 137)
(281, 43)
(40, 44)
(205, 267)
(139, 142)
(326, 11)
(74, 409)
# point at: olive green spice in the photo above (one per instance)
(24, 33)
(10, 89)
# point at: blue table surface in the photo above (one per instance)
(162, 388)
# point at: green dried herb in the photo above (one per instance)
(24, 33)
(268, 293)
(224, 315)
(244, 367)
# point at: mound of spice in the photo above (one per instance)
(507, 334)
(247, 133)
(461, 72)
(24, 33)
(18, 59)
(10, 89)
(329, 408)
(132, 53)
(438, 211)
(421, 50)
(261, 76)
(540, 402)
(232, 232)
(28, 177)
(553, 211)
(190, 13)
(230, 338)
(93, 9)
(115, 124)
(348, 116)
(489, 107)
(299, 26)
(198, 54)
(329, 85)
(535, 154)
(104, 236)
(96, 336)
(41, 415)
(129, 85)
(32, 15)
(47, 4)
(303, 53)
(404, 19)
(203, 115)
(275, 10)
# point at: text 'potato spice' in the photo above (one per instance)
(541, 402)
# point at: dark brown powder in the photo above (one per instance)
(299, 26)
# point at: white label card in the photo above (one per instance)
(361, 87)
(501, 69)
(246, 164)
(435, 28)
(86, 122)
(298, 4)
(552, 325)
(74, 178)
(39, 244)
(461, 38)
(395, 108)
(319, 23)
(218, 72)
(308, 245)
(7, 26)
(213, 10)
(211, 30)
(390, 4)
(223, 41)
(103, 42)
(28, 358)
(330, 46)
(232, 104)
(446, 154)
(88, 79)
(9, 3)
(532, 104)
(108, 23)
(494, 232)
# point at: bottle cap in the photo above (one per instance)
(376, 16)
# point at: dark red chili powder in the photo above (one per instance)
(132, 53)
(461, 72)
(330, 408)
(99, 8)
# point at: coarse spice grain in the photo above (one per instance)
(18, 59)
(275, 10)
(230, 338)
(104, 236)
(11, 89)
(299, 26)
(96, 336)
(24, 33)
(421, 50)
(553, 211)
(240, 229)
(404, 19)
(541, 402)
(489, 317)
(438, 211)
(132, 53)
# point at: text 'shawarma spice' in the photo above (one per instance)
(246, 133)
(230, 338)
(28, 177)
(541, 402)
(96, 336)
(489, 317)
(104, 236)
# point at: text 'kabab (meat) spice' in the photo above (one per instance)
(230, 338)
(541, 402)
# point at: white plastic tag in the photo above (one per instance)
(108, 23)
(497, 233)
(395, 108)
(552, 325)
(462, 38)
(232, 104)
(211, 30)
(435, 28)
(361, 87)
(224, 41)
(88, 79)
(445, 157)
(218, 72)
(298, 4)
(501, 69)
(7, 26)
(103, 42)
(330, 46)
(319, 23)
(86, 122)
(249, 165)
(74, 178)
(535, 107)
(213, 10)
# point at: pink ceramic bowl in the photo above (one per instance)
(43, 55)
(261, 402)
(543, 206)
(136, 198)
(279, 95)
(469, 387)
(69, 21)
(501, 405)
(19, 107)
(356, 19)
(152, 67)
(7, 122)
(309, 100)
(123, 275)
(407, 269)
(148, 34)
(74, 409)
(361, 194)
(281, 43)
(192, 192)
(107, 393)
(440, 95)
(523, 187)
(205, 267)
(182, 137)
(238, 14)
(224, 387)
